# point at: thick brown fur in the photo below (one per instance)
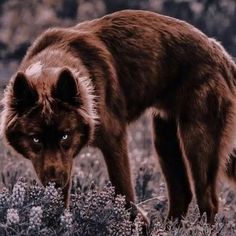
(86, 83)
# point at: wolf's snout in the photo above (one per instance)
(51, 174)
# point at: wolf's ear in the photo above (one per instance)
(24, 96)
(66, 88)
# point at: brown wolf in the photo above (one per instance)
(85, 84)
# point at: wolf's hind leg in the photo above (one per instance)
(200, 128)
(173, 166)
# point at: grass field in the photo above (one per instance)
(29, 209)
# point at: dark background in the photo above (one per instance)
(22, 21)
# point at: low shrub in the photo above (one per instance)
(30, 209)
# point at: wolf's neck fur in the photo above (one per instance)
(86, 92)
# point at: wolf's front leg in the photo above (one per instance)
(114, 149)
(113, 144)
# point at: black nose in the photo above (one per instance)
(50, 173)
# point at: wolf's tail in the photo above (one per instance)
(230, 168)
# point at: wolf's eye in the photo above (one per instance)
(64, 137)
(36, 140)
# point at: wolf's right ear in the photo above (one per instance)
(24, 96)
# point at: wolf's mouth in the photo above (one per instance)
(58, 183)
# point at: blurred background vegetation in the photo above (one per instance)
(22, 21)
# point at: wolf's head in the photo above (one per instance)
(48, 119)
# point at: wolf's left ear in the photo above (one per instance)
(66, 88)
(24, 96)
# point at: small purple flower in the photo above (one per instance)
(35, 217)
(12, 216)
(51, 194)
(67, 219)
(18, 194)
(4, 197)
